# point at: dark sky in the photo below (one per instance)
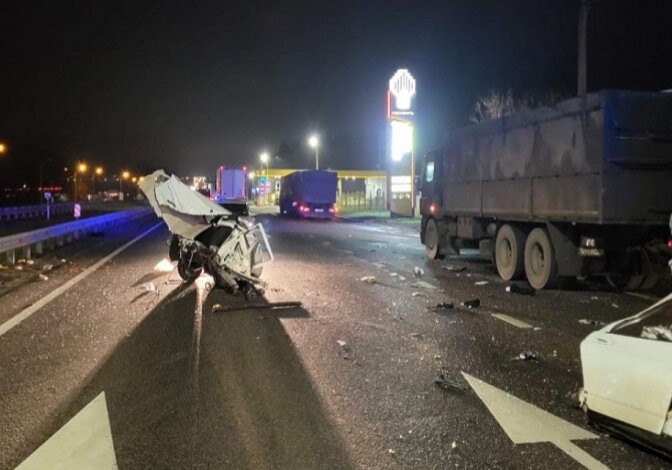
(189, 85)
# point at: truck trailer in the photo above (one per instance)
(308, 193)
(579, 189)
(230, 184)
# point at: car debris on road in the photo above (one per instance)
(528, 355)
(208, 237)
(441, 307)
(453, 268)
(369, 279)
(627, 377)
(520, 289)
(418, 272)
(472, 303)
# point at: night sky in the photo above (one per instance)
(187, 86)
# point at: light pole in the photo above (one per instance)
(97, 172)
(264, 159)
(314, 142)
(79, 168)
(124, 176)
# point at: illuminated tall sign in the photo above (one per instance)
(400, 181)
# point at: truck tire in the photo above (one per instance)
(509, 252)
(432, 240)
(541, 267)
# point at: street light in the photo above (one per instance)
(3, 148)
(264, 159)
(314, 142)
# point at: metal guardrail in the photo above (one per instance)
(39, 210)
(57, 235)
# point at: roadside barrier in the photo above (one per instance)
(36, 241)
(29, 212)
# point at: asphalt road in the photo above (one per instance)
(345, 381)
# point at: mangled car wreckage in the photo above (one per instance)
(627, 377)
(208, 237)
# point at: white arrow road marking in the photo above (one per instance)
(83, 442)
(27, 312)
(511, 320)
(525, 423)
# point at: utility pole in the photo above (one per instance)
(583, 26)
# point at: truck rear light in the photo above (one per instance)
(294, 203)
(432, 208)
(332, 210)
(669, 243)
(303, 208)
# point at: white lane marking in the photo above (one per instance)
(27, 312)
(83, 442)
(511, 320)
(526, 424)
(650, 298)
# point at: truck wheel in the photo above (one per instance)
(541, 268)
(431, 240)
(509, 249)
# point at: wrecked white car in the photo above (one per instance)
(627, 377)
(208, 237)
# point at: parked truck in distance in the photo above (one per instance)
(230, 184)
(583, 188)
(308, 193)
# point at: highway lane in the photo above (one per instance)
(346, 381)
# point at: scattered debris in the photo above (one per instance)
(437, 357)
(423, 284)
(448, 384)
(391, 451)
(472, 303)
(21, 261)
(615, 305)
(217, 308)
(18, 268)
(63, 260)
(528, 355)
(419, 272)
(520, 289)
(659, 333)
(149, 287)
(536, 328)
(164, 266)
(47, 267)
(453, 445)
(585, 321)
(341, 343)
(594, 297)
(402, 278)
(30, 261)
(441, 307)
(416, 335)
(417, 294)
(453, 268)
(369, 279)
(43, 277)
(481, 283)
(393, 274)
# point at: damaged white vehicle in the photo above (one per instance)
(207, 237)
(627, 377)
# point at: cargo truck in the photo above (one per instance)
(308, 193)
(230, 184)
(579, 189)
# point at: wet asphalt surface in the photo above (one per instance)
(345, 381)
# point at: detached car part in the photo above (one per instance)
(627, 377)
(208, 237)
